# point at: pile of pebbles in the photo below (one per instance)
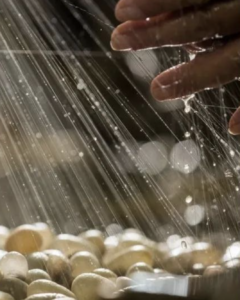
(36, 264)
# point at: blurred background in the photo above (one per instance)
(83, 144)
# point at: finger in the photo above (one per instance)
(234, 124)
(141, 9)
(193, 49)
(207, 70)
(216, 20)
(204, 46)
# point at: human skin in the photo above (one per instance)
(208, 28)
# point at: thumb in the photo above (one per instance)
(234, 124)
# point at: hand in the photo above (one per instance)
(197, 25)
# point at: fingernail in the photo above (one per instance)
(234, 128)
(121, 42)
(234, 123)
(162, 87)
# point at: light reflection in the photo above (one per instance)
(153, 158)
(185, 156)
(194, 214)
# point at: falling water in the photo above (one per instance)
(83, 144)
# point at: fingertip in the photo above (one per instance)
(127, 10)
(158, 92)
(119, 41)
(234, 123)
(166, 86)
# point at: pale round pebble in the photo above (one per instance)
(5, 296)
(47, 296)
(205, 254)
(179, 261)
(106, 273)
(159, 271)
(89, 286)
(133, 230)
(198, 269)
(46, 286)
(233, 264)
(4, 233)
(36, 274)
(121, 261)
(139, 267)
(24, 239)
(129, 239)
(46, 234)
(37, 260)
(65, 298)
(14, 264)
(69, 244)
(123, 282)
(232, 252)
(2, 253)
(160, 251)
(111, 242)
(15, 287)
(95, 237)
(59, 268)
(213, 271)
(83, 262)
(49, 252)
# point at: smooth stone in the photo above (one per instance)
(24, 239)
(83, 262)
(106, 273)
(46, 234)
(91, 286)
(232, 252)
(59, 268)
(5, 296)
(36, 274)
(159, 271)
(47, 296)
(4, 233)
(121, 261)
(184, 242)
(46, 286)
(2, 253)
(37, 260)
(179, 261)
(95, 237)
(123, 282)
(49, 252)
(205, 254)
(233, 264)
(111, 242)
(14, 264)
(213, 271)
(15, 287)
(160, 253)
(139, 267)
(65, 298)
(198, 269)
(133, 230)
(133, 239)
(70, 244)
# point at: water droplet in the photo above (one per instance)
(184, 245)
(189, 199)
(81, 85)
